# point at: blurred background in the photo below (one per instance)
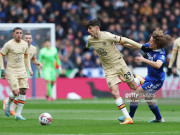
(134, 19)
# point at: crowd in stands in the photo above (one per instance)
(134, 19)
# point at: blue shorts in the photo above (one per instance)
(152, 87)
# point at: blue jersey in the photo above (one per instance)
(156, 74)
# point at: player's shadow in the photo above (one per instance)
(98, 93)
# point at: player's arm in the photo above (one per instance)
(87, 45)
(130, 46)
(28, 64)
(173, 55)
(40, 57)
(3, 74)
(3, 52)
(134, 45)
(36, 62)
(155, 64)
(58, 62)
(124, 40)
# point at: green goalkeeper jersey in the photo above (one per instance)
(49, 57)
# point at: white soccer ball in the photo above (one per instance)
(45, 119)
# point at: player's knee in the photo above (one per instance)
(15, 92)
(23, 91)
(134, 96)
(133, 87)
(149, 101)
(115, 93)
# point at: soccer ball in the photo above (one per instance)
(45, 119)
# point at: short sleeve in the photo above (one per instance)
(34, 55)
(162, 58)
(114, 38)
(5, 49)
(176, 44)
(88, 44)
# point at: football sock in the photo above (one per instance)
(49, 89)
(137, 81)
(9, 100)
(21, 102)
(14, 104)
(154, 108)
(133, 107)
(120, 104)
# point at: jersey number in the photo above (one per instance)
(127, 76)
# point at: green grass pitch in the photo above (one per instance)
(91, 117)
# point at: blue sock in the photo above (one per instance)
(154, 108)
(133, 107)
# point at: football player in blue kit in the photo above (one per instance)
(154, 80)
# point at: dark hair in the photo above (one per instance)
(94, 22)
(17, 28)
(161, 39)
(28, 33)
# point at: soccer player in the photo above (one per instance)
(49, 57)
(112, 62)
(16, 51)
(176, 49)
(32, 57)
(156, 76)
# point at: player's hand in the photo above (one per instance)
(31, 72)
(169, 72)
(3, 74)
(140, 58)
(146, 49)
(40, 66)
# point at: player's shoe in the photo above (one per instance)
(6, 110)
(140, 79)
(128, 121)
(4, 105)
(48, 98)
(20, 118)
(157, 121)
(122, 118)
(12, 112)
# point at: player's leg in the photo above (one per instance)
(134, 100)
(23, 85)
(21, 102)
(14, 105)
(13, 83)
(134, 103)
(154, 108)
(120, 104)
(49, 90)
(7, 102)
(47, 76)
(134, 83)
(52, 84)
(53, 79)
(150, 88)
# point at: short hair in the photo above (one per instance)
(17, 28)
(28, 33)
(161, 39)
(94, 22)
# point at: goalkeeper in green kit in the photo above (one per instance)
(49, 58)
